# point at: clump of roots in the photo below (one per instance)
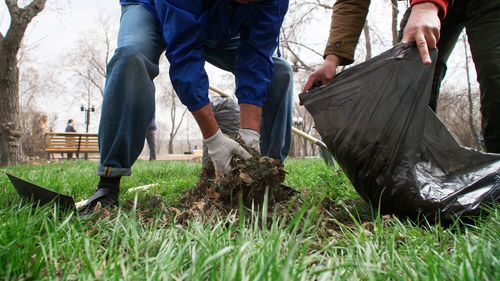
(246, 184)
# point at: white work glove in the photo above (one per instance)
(221, 149)
(251, 138)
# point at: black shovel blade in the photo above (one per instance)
(41, 195)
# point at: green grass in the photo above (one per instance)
(44, 244)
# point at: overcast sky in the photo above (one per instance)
(56, 29)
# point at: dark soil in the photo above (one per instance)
(246, 185)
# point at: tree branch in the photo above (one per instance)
(316, 3)
(97, 66)
(306, 47)
(35, 7)
(297, 57)
(19, 20)
(24, 15)
(180, 121)
(12, 6)
(324, 6)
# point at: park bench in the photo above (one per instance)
(72, 143)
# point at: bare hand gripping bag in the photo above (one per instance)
(395, 151)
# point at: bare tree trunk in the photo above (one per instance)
(171, 144)
(173, 116)
(10, 152)
(394, 24)
(368, 44)
(469, 95)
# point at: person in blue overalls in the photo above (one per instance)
(240, 36)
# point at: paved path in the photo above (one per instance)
(172, 157)
(185, 157)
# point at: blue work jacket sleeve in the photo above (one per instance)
(259, 39)
(184, 33)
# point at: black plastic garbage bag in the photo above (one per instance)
(395, 151)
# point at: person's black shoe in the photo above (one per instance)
(107, 197)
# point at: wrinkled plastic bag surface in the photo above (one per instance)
(395, 151)
(227, 114)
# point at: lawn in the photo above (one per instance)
(141, 243)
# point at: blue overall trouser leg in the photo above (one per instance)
(129, 103)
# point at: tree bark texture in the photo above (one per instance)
(10, 151)
(394, 24)
(174, 129)
(368, 44)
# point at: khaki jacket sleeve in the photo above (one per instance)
(348, 19)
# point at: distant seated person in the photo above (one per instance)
(197, 152)
(70, 128)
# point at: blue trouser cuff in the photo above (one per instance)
(112, 172)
